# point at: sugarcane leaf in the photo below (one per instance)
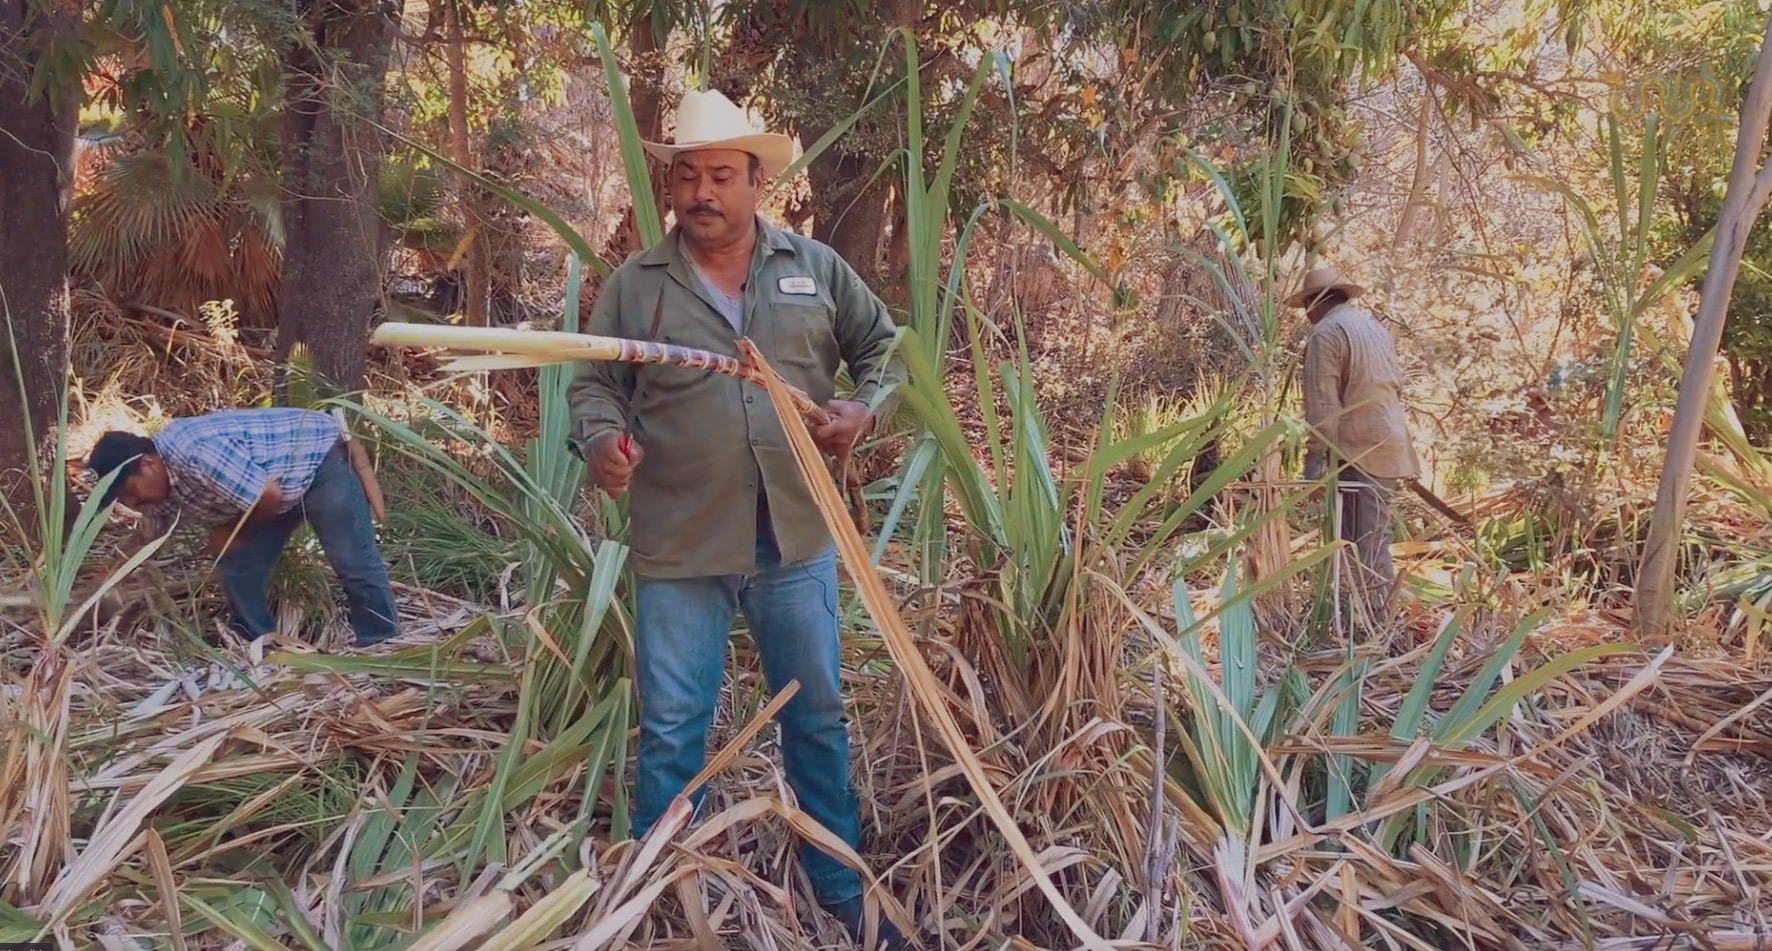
(240, 928)
(1346, 722)
(1478, 690)
(1413, 710)
(489, 830)
(910, 475)
(1414, 706)
(1525, 685)
(537, 771)
(633, 153)
(950, 153)
(956, 276)
(293, 917)
(1122, 295)
(1687, 267)
(925, 395)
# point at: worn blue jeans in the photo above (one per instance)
(336, 508)
(681, 629)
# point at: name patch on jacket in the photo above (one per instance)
(798, 285)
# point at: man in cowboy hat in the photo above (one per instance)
(718, 517)
(1353, 402)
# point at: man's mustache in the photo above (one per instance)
(701, 207)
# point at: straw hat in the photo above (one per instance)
(709, 120)
(1320, 280)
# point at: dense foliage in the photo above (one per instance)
(1087, 217)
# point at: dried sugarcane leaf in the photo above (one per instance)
(689, 895)
(545, 916)
(115, 839)
(622, 918)
(901, 645)
(160, 866)
(465, 924)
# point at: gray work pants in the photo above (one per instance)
(1364, 519)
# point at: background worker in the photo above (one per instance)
(1353, 402)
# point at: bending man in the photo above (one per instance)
(252, 476)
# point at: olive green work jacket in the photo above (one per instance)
(709, 439)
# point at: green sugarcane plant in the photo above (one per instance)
(1619, 246)
(575, 640)
(1476, 710)
(34, 772)
(61, 548)
(1227, 724)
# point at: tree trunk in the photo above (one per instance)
(1418, 186)
(849, 213)
(36, 177)
(1742, 203)
(331, 169)
(646, 84)
(461, 152)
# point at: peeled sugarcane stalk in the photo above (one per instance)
(504, 349)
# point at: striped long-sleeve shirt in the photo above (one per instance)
(220, 463)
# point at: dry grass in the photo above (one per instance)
(1625, 800)
(283, 801)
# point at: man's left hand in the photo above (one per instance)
(849, 422)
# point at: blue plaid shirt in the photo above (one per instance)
(220, 463)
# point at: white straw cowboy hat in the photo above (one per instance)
(1320, 280)
(709, 120)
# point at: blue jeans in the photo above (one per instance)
(336, 508)
(681, 629)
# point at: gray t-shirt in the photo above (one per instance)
(731, 308)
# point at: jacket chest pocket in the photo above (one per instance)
(805, 330)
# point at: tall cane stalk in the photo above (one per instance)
(493, 348)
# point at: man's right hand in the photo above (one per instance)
(613, 460)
